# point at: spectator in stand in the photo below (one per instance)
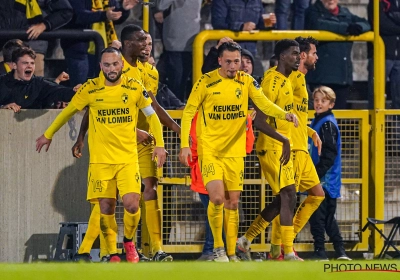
(165, 97)
(8, 48)
(282, 11)
(389, 28)
(35, 16)
(99, 15)
(211, 60)
(335, 68)
(179, 29)
(21, 89)
(239, 15)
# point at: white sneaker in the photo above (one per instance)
(220, 255)
(243, 249)
(292, 257)
(233, 258)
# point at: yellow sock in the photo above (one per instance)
(131, 222)
(103, 246)
(231, 226)
(215, 218)
(276, 239)
(304, 212)
(256, 227)
(108, 226)
(93, 230)
(153, 221)
(287, 239)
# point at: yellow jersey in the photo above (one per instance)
(223, 105)
(112, 118)
(278, 89)
(300, 100)
(152, 74)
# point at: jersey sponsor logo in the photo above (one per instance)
(151, 76)
(229, 112)
(238, 93)
(237, 81)
(124, 98)
(145, 94)
(214, 83)
(128, 87)
(95, 90)
(99, 99)
(298, 76)
(256, 85)
(288, 107)
(216, 92)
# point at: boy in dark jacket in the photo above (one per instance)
(328, 166)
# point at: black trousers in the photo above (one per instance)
(323, 220)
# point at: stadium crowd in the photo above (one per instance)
(125, 106)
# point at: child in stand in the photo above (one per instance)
(328, 166)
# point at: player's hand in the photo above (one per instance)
(77, 149)
(75, 88)
(285, 157)
(35, 30)
(249, 26)
(290, 117)
(12, 106)
(185, 155)
(42, 141)
(161, 154)
(144, 137)
(223, 40)
(317, 142)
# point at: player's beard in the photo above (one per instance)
(116, 77)
(310, 66)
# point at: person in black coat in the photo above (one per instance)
(389, 30)
(20, 89)
(335, 68)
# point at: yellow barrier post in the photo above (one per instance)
(377, 181)
(146, 16)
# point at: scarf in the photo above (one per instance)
(105, 28)
(31, 9)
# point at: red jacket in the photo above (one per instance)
(197, 184)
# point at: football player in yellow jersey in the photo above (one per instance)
(135, 44)
(306, 178)
(280, 175)
(221, 96)
(113, 104)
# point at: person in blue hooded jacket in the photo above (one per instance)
(329, 167)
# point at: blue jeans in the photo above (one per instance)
(282, 11)
(392, 68)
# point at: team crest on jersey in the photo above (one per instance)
(124, 98)
(238, 93)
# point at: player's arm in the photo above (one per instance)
(260, 122)
(163, 115)
(62, 118)
(315, 137)
(79, 144)
(156, 128)
(196, 97)
(267, 106)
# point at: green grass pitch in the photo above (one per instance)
(309, 270)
